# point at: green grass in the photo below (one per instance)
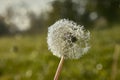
(28, 58)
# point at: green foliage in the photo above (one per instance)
(3, 26)
(27, 58)
(63, 9)
(80, 11)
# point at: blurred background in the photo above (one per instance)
(24, 54)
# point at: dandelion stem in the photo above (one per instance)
(59, 68)
(115, 62)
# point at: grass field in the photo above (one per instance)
(28, 58)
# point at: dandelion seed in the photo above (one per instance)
(66, 40)
(99, 66)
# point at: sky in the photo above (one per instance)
(20, 8)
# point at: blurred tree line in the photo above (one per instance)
(91, 13)
(96, 14)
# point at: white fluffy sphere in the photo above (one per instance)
(66, 38)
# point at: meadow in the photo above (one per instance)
(26, 57)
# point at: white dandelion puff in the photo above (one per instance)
(66, 38)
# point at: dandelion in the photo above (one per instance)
(67, 40)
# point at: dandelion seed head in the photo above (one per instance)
(99, 66)
(66, 38)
